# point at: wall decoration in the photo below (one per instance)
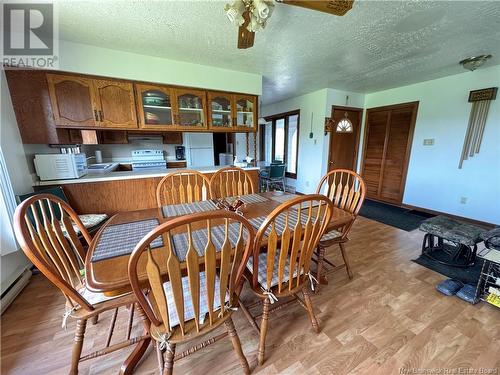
(480, 100)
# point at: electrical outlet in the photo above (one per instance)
(429, 142)
(463, 200)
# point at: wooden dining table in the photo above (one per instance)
(110, 276)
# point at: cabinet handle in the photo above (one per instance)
(95, 115)
(100, 116)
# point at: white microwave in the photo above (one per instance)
(60, 166)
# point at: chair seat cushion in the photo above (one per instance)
(94, 298)
(89, 221)
(188, 305)
(491, 238)
(452, 230)
(262, 271)
(331, 235)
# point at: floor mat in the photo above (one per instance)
(467, 275)
(398, 217)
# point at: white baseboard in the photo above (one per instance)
(14, 290)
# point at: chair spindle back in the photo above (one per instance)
(345, 188)
(290, 242)
(230, 182)
(185, 186)
(44, 226)
(218, 245)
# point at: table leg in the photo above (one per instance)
(133, 359)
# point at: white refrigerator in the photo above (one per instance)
(199, 149)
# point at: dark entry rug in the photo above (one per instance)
(467, 275)
(398, 217)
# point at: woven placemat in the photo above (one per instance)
(280, 221)
(121, 239)
(188, 208)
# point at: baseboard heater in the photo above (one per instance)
(17, 286)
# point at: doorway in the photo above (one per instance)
(386, 153)
(344, 138)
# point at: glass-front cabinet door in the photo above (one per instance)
(246, 111)
(191, 109)
(220, 110)
(155, 106)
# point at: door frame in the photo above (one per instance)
(356, 147)
(415, 105)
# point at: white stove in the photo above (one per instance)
(143, 160)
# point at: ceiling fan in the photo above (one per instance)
(252, 15)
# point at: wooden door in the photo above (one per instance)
(344, 137)
(155, 106)
(221, 111)
(388, 137)
(73, 100)
(116, 104)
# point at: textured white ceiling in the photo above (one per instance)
(377, 45)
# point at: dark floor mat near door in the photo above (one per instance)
(467, 275)
(397, 217)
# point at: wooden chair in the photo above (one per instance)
(281, 258)
(45, 229)
(185, 186)
(346, 189)
(204, 274)
(230, 182)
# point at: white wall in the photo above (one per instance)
(82, 58)
(434, 180)
(313, 153)
(13, 264)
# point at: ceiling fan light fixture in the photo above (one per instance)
(234, 12)
(472, 63)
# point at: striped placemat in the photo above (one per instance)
(200, 236)
(282, 198)
(253, 198)
(188, 208)
(120, 239)
(280, 221)
(286, 197)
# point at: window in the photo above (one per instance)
(7, 207)
(344, 126)
(280, 141)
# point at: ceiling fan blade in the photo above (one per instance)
(336, 7)
(245, 37)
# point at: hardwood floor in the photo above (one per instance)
(387, 319)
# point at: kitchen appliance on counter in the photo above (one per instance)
(180, 153)
(199, 149)
(144, 160)
(60, 166)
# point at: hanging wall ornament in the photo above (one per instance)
(480, 100)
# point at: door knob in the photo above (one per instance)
(331, 162)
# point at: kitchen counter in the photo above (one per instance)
(127, 175)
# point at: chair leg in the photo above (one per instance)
(346, 260)
(161, 359)
(263, 332)
(81, 325)
(94, 319)
(169, 360)
(237, 345)
(310, 311)
(319, 269)
(284, 186)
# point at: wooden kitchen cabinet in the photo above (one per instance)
(190, 110)
(73, 100)
(91, 103)
(155, 106)
(172, 138)
(115, 104)
(245, 113)
(113, 137)
(221, 111)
